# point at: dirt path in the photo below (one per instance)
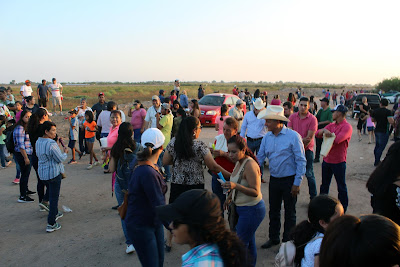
(92, 236)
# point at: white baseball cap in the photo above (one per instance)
(153, 136)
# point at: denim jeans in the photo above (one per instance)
(217, 189)
(280, 189)
(120, 198)
(137, 135)
(149, 244)
(17, 167)
(318, 144)
(166, 167)
(254, 146)
(2, 155)
(40, 184)
(339, 170)
(250, 218)
(25, 172)
(53, 186)
(312, 187)
(381, 140)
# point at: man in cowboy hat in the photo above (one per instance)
(254, 129)
(287, 165)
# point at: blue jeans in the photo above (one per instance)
(312, 187)
(120, 198)
(137, 135)
(339, 170)
(250, 218)
(2, 156)
(43, 196)
(381, 140)
(254, 146)
(53, 186)
(149, 244)
(17, 167)
(166, 167)
(25, 172)
(217, 189)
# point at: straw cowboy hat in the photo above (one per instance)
(272, 112)
(259, 104)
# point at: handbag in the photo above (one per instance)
(233, 216)
(124, 207)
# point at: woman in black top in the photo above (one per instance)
(364, 108)
(384, 185)
(30, 104)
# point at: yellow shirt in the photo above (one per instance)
(166, 122)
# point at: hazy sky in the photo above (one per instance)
(340, 41)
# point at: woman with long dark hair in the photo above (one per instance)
(23, 154)
(384, 185)
(186, 155)
(147, 190)
(197, 222)
(194, 108)
(292, 98)
(35, 125)
(307, 235)
(138, 114)
(123, 151)
(245, 186)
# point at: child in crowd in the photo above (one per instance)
(18, 110)
(10, 99)
(219, 120)
(90, 127)
(73, 135)
(3, 161)
(370, 128)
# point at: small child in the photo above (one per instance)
(370, 128)
(18, 110)
(219, 120)
(90, 132)
(10, 99)
(3, 160)
(73, 135)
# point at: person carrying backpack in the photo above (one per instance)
(305, 240)
(123, 160)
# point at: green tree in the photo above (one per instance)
(392, 84)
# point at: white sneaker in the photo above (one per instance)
(130, 249)
(96, 163)
(62, 114)
(89, 167)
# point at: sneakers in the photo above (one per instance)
(62, 114)
(72, 161)
(52, 228)
(29, 192)
(89, 167)
(59, 215)
(130, 249)
(44, 206)
(16, 181)
(96, 163)
(80, 155)
(26, 199)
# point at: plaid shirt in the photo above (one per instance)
(205, 255)
(21, 140)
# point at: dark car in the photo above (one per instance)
(372, 99)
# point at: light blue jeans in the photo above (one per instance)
(250, 218)
(120, 198)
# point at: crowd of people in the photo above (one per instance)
(159, 151)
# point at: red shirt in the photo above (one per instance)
(343, 132)
(302, 126)
(235, 91)
(172, 98)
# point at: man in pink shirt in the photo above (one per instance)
(335, 162)
(306, 125)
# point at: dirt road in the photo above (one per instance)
(91, 235)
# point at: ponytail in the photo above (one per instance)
(241, 144)
(146, 153)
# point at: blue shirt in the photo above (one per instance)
(285, 153)
(146, 191)
(74, 133)
(50, 158)
(184, 101)
(255, 127)
(205, 255)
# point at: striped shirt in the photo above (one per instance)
(21, 140)
(50, 158)
(205, 255)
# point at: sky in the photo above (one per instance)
(342, 41)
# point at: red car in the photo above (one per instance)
(210, 106)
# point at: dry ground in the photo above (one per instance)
(92, 236)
